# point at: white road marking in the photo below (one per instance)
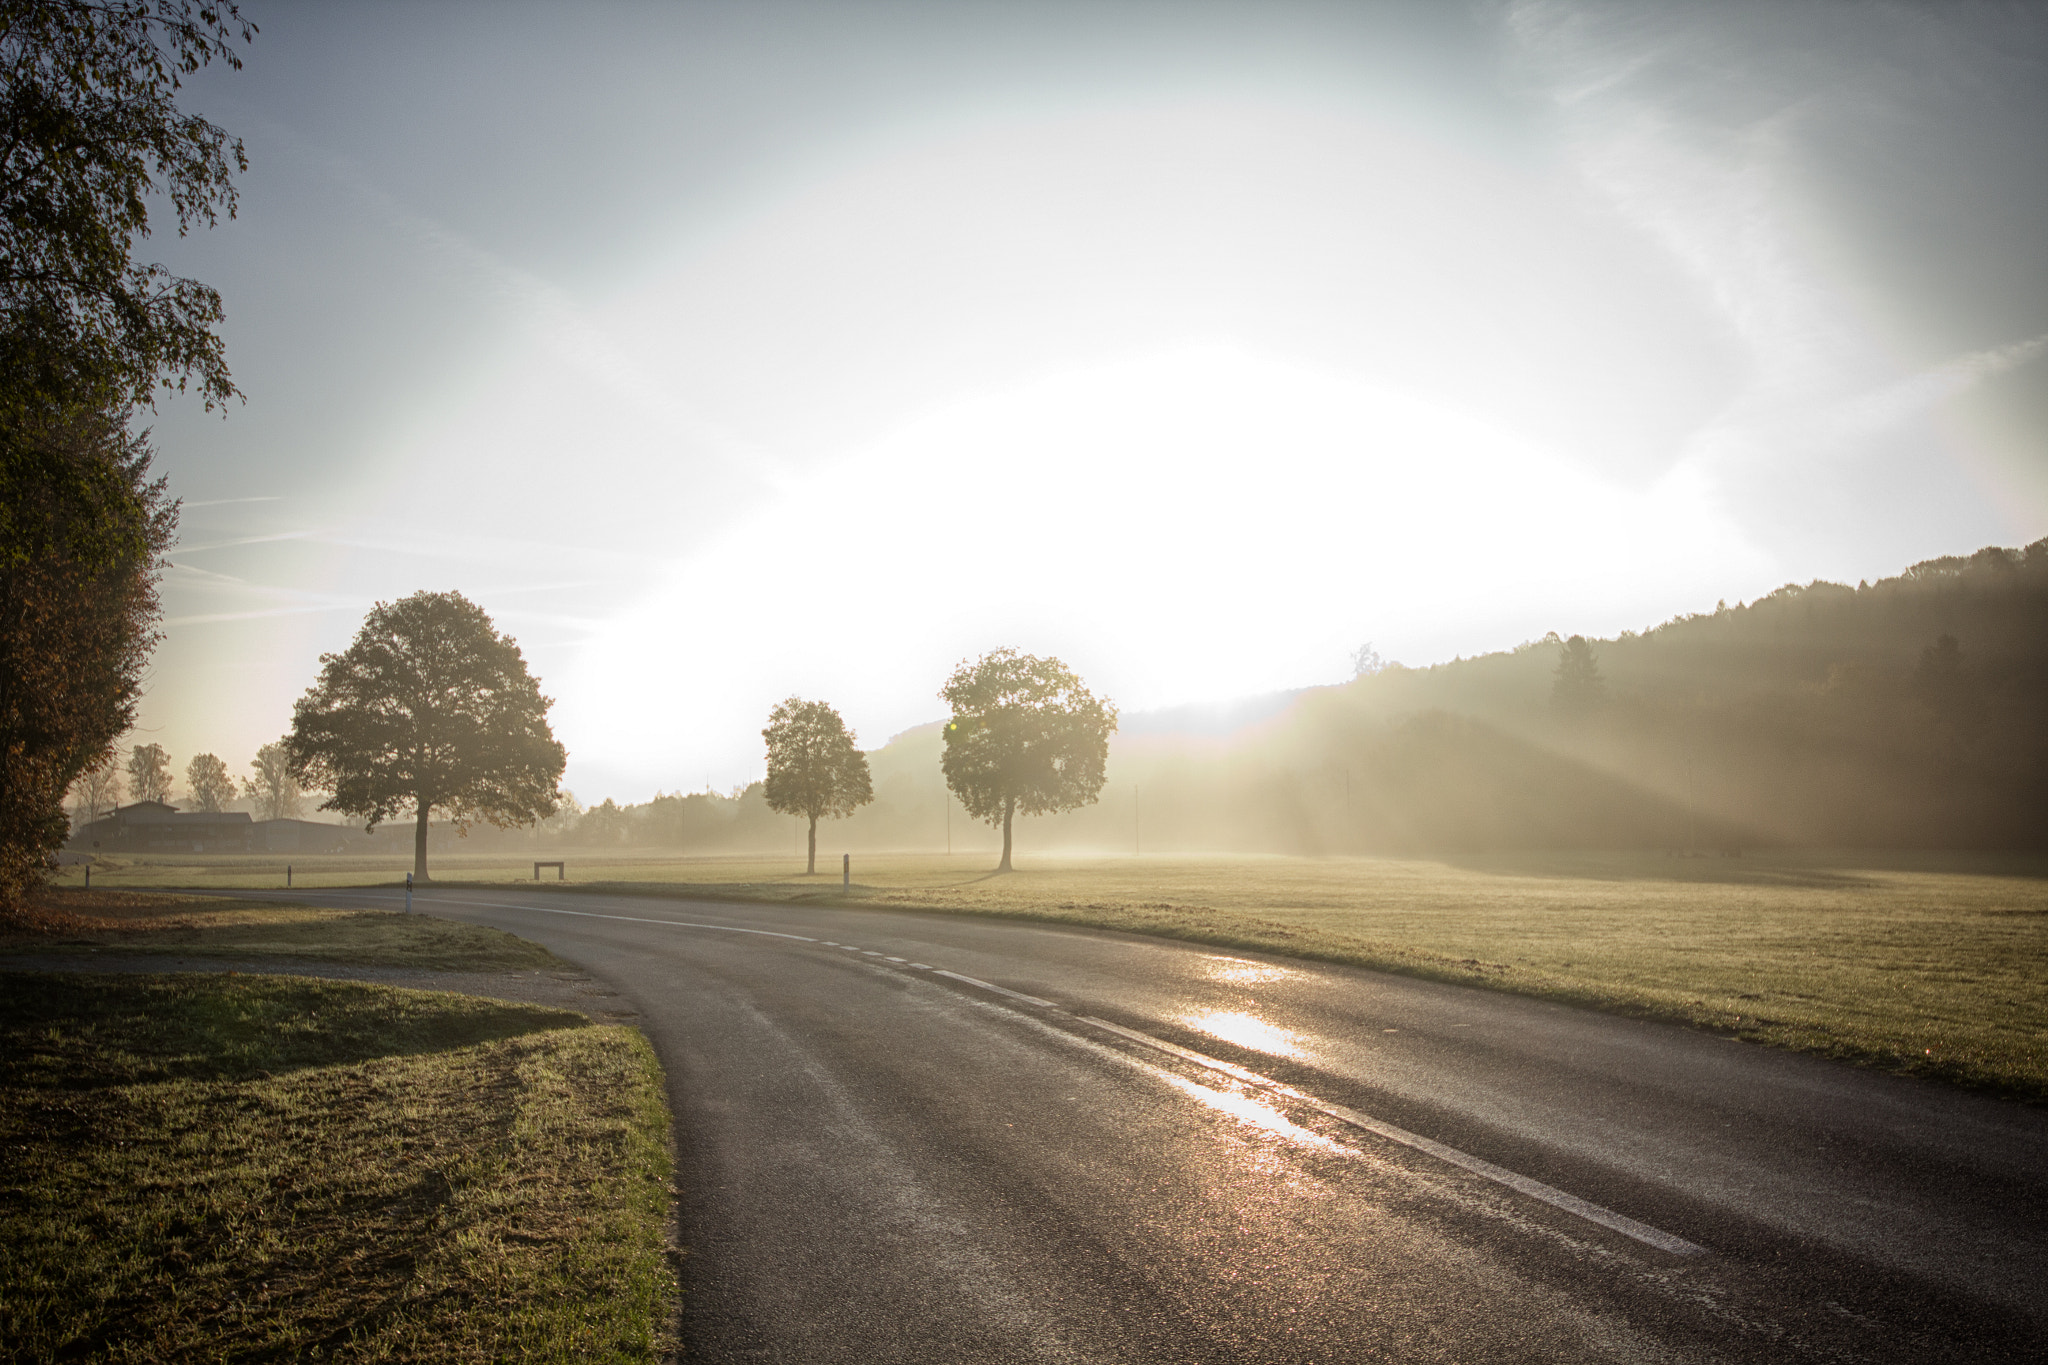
(999, 990)
(1535, 1189)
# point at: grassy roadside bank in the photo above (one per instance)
(221, 1167)
(1933, 965)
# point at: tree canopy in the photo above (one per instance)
(814, 768)
(1576, 688)
(207, 778)
(83, 532)
(1025, 735)
(90, 138)
(149, 773)
(91, 143)
(429, 709)
(270, 784)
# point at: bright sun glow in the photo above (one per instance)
(1184, 526)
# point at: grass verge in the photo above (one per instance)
(77, 921)
(211, 1167)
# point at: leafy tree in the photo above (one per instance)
(271, 786)
(91, 138)
(1576, 688)
(430, 708)
(98, 789)
(149, 773)
(91, 141)
(1025, 735)
(83, 531)
(211, 786)
(814, 769)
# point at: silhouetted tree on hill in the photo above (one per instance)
(1577, 690)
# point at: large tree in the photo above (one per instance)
(207, 778)
(149, 773)
(814, 768)
(83, 531)
(270, 784)
(92, 143)
(429, 709)
(1025, 735)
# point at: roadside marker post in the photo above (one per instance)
(845, 871)
(287, 876)
(408, 893)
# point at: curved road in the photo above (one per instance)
(909, 1137)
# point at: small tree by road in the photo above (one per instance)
(149, 773)
(211, 786)
(429, 709)
(814, 769)
(1025, 735)
(270, 785)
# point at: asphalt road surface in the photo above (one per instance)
(909, 1137)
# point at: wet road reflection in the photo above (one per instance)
(1247, 1031)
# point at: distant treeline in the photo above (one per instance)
(1911, 712)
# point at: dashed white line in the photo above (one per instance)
(999, 990)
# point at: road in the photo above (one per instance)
(911, 1137)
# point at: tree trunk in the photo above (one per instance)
(811, 863)
(1009, 808)
(419, 845)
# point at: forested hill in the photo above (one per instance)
(1908, 712)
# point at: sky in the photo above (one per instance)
(728, 352)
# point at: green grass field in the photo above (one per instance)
(214, 1167)
(1928, 964)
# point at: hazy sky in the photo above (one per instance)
(724, 352)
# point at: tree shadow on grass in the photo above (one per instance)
(73, 1030)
